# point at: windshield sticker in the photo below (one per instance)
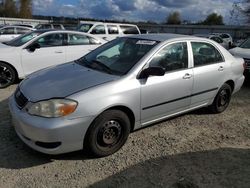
(146, 42)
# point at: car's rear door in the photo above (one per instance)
(51, 52)
(209, 69)
(7, 34)
(78, 45)
(169, 94)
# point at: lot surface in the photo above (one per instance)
(194, 150)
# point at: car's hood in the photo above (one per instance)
(61, 81)
(4, 46)
(240, 52)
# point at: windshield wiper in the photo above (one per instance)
(102, 66)
(94, 64)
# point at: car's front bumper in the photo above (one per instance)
(49, 135)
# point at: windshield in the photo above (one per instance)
(21, 40)
(118, 56)
(246, 44)
(84, 27)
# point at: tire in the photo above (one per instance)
(108, 133)
(222, 99)
(7, 75)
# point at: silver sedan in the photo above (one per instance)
(126, 84)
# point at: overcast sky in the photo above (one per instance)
(133, 10)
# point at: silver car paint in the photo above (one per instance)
(139, 96)
(72, 75)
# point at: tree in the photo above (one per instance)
(174, 18)
(8, 8)
(25, 10)
(213, 19)
(246, 10)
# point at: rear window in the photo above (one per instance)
(129, 29)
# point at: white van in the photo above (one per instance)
(108, 31)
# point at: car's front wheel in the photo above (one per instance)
(222, 99)
(7, 75)
(108, 133)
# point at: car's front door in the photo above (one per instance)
(100, 31)
(209, 71)
(51, 51)
(162, 96)
(7, 34)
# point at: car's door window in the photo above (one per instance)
(224, 36)
(22, 30)
(76, 39)
(57, 26)
(113, 29)
(217, 39)
(8, 31)
(55, 39)
(172, 57)
(98, 30)
(205, 54)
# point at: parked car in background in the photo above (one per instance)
(215, 38)
(124, 85)
(40, 49)
(8, 33)
(50, 26)
(226, 37)
(25, 25)
(108, 31)
(243, 51)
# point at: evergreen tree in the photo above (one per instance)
(25, 10)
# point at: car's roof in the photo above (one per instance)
(16, 26)
(160, 36)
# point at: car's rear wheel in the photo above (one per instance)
(108, 133)
(222, 99)
(7, 75)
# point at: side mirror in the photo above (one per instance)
(151, 71)
(33, 47)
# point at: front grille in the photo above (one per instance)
(247, 61)
(21, 100)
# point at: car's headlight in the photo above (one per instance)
(53, 108)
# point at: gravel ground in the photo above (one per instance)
(194, 150)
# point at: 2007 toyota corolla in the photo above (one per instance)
(128, 83)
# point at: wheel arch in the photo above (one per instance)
(231, 84)
(17, 75)
(127, 111)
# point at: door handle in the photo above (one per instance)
(58, 52)
(221, 68)
(187, 76)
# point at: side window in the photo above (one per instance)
(98, 30)
(224, 36)
(217, 39)
(51, 40)
(57, 26)
(8, 31)
(75, 39)
(22, 30)
(205, 53)
(113, 29)
(129, 29)
(172, 57)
